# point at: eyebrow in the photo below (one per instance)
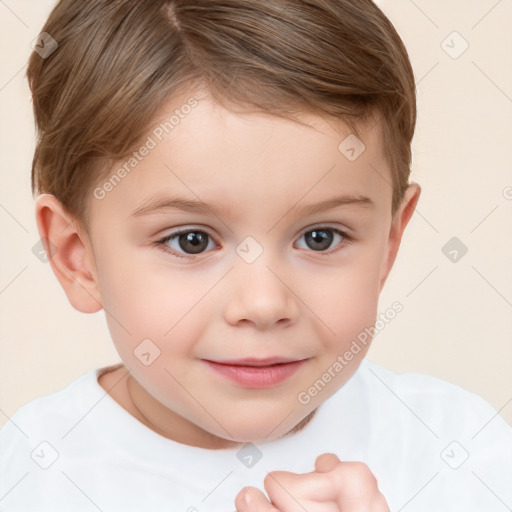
(157, 204)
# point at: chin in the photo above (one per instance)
(254, 433)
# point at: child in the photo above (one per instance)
(252, 131)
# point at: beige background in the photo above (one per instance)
(457, 317)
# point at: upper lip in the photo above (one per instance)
(254, 361)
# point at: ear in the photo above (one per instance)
(398, 223)
(69, 252)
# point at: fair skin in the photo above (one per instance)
(294, 300)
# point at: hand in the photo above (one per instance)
(334, 486)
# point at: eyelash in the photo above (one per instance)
(161, 244)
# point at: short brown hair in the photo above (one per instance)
(117, 61)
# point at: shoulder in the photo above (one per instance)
(437, 401)
(36, 451)
(44, 421)
(57, 405)
(416, 386)
(421, 429)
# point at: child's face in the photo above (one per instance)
(260, 283)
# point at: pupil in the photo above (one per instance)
(193, 242)
(322, 237)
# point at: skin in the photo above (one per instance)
(292, 301)
(332, 486)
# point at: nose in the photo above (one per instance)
(259, 295)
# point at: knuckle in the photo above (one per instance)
(357, 481)
(365, 473)
(379, 504)
(359, 475)
(277, 479)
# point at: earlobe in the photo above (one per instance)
(69, 254)
(400, 220)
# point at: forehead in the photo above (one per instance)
(206, 152)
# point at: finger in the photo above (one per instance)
(288, 490)
(350, 485)
(251, 499)
(358, 488)
(326, 462)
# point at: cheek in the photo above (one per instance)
(351, 304)
(141, 290)
(146, 299)
(346, 300)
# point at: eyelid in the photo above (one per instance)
(186, 229)
(327, 225)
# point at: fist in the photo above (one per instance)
(334, 486)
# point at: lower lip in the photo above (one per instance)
(257, 376)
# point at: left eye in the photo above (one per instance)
(321, 238)
(191, 242)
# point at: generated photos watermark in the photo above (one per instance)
(152, 141)
(360, 342)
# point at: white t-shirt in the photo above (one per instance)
(432, 446)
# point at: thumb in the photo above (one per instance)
(251, 499)
(326, 462)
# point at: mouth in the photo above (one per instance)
(253, 361)
(256, 373)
